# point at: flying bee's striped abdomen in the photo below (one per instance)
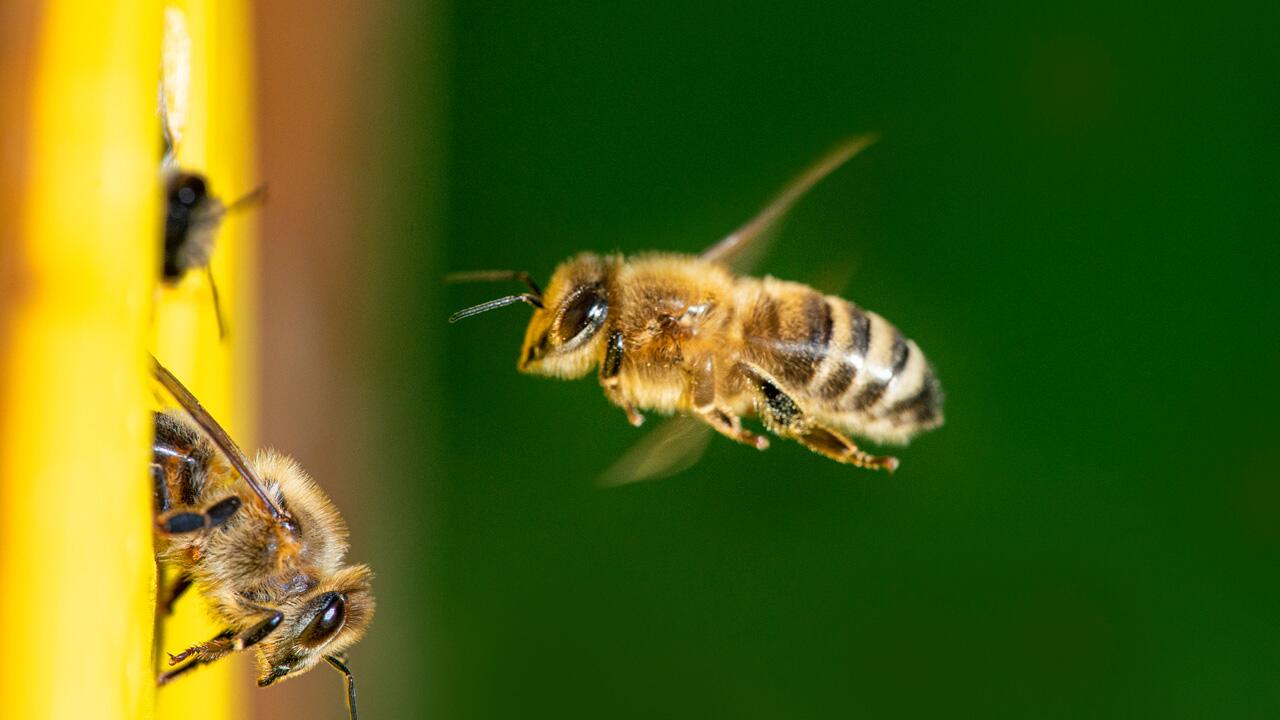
(845, 365)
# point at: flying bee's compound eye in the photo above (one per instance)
(582, 316)
(327, 621)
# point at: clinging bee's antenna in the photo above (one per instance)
(219, 436)
(494, 304)
(495, 276)
(337, 664)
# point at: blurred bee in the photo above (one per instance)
(683, 334)
(261, 542)
(192, 213)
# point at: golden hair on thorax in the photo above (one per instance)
(261, 542)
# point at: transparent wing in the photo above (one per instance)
(220, 438)
(675, 445)
(749, 241)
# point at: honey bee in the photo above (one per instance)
(683, 334)
(261, 542)
(192, 213)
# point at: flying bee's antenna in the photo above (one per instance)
(494, 304)
(495, 276)
(533, 298)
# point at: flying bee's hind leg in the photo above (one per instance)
(825, 441)
(784, 417)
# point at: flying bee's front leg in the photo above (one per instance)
(611, 378)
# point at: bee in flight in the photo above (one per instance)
(192, 213)
(683, 334)
(261, 542)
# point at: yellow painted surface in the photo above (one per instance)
(79, 310)
(217, 142)
(78, 257)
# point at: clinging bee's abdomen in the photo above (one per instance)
(844, 365)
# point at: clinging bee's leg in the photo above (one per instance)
(783, 416)
(702, 393)
(222, 644)
(610, 379)
(204, 653)
(174, 591)
(182, 522)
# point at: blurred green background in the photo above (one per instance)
(1072, 210)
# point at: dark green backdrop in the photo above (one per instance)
(1072, 212)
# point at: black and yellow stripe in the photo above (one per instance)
(840, 359)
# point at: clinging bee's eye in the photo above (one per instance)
(582, 316)
(326, 622)
(189, 190)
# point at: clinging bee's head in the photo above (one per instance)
(190, 218)
(192, 215)
(324, 623)
(563, 338)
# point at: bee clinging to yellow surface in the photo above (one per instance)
(263, 545)
(192, 213)
(683, 334)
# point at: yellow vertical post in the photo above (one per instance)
(79, 204)
(217, 141)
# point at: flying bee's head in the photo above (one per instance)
(564, 337)
(317, 626)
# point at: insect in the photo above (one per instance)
(261, 542)
(683, 334)
(192, 213)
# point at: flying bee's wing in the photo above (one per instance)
(731, 250)
(175, 80)
(215, 432)
(672, 447)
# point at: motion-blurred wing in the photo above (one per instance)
(672, 447)
(748, 242)
(175, 80)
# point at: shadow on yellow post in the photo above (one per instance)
(79, 310)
